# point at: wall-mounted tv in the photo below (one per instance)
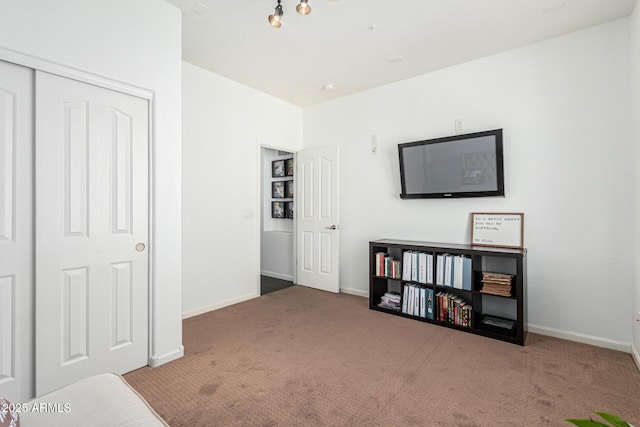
(467, 165)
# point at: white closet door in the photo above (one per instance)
(16, 238)
(92, 228)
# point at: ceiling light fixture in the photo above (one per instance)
(276, 19)
(303, 8)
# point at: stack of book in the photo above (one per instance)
(386, 266)
(390, 301)
(453, 309)
(417, 267)
(498, 324)
(417, 301)
(496, 283)
(454, 271)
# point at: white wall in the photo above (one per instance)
(224, 125)
(635, 120)
(276, 235)
(564, 107)
(138, 43)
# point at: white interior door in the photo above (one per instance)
(16, 235)
(92, 213)
(318, 220)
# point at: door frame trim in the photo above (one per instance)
(260, 144)
(40, 64)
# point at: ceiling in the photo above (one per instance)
(355, 45)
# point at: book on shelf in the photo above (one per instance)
(467, 274)
(497, 284)
(379, 263)
(440, 270)
(395, 268)
(406, 266)
(417, 301)
(422, 267)
(390, 301)
(414, 266)
(448, 269)
(454, 271)
(467, 315)
(498, 323)
(383, 266)
(454, 309)
(429, 303)
(386, 266)
(497, 277)
(429, 268)
(405, 298)
(457, 272)
(441, 307)
(391, 267)
(410, 302)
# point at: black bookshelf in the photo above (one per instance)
(488, 310)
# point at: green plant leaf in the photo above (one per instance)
(615, 421)
(586, 423)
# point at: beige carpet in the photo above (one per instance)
(301, 357)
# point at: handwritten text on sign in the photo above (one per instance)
(495, 229)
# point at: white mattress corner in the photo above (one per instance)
(101, 400)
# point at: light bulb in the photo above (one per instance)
(303, 8)
(274, 20)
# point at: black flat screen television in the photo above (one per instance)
(467, 165)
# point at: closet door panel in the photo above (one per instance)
(16, 238)
(92, 217)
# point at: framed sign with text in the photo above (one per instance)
(502, 230)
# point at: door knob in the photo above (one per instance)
(333, 227)
(140, 247)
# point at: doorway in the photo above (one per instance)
(277, 221)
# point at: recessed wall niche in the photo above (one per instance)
(278, 190)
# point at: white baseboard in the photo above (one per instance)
(352, 291)
(582, 338)
(636, 356)
(218, 305)
(277, 275)
(167, 357)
